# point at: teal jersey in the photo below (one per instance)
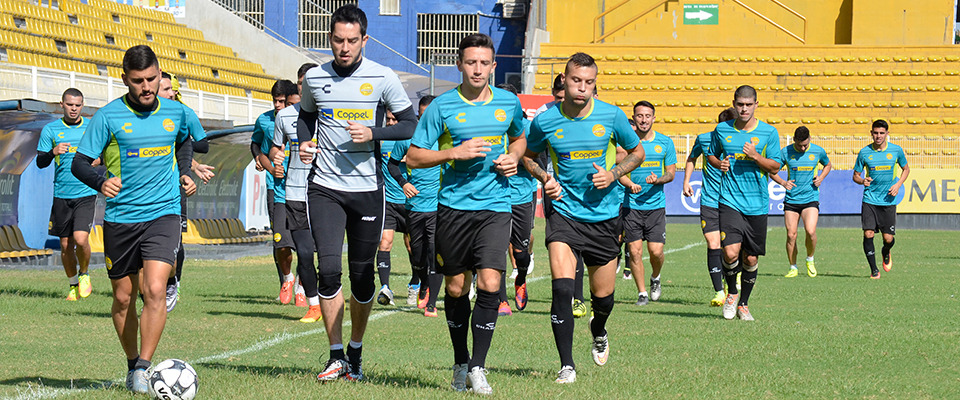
(262, 130)
(140, 150)
(744, 186)
(450, 120)
(660, 153)
(65, 185)
(802, 169)
(393, 193)
(575, 145)
(710, 185)
(194, 126)
(881, 166)
(426, 180)
(522, 184)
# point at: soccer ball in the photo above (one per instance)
(173, 380)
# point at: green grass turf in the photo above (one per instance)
(840, 335)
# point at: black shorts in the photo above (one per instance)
(72, 215)
(423, 232)
(648, 225)
(297, 219)
(183, 210)
(881, 219)
(749, 230)
(709, 219)
(798, 208)
(469, 240)
(127, 246)
(270, 209)
(597, 242)
(522, 217)
(395, 217)
(360, 214)
(281, 235)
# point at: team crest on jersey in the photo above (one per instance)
(812, 157)
(658, 149)
(755, 140)
(108, 262)
(500, 115)
(703, 223)
(723, 235)
(439, 260)
(276, 237)
(889, 156)
(169, 125)
(366, 89)
(599, 130)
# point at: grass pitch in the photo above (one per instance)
(839, 335)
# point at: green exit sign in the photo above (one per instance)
(701, 14)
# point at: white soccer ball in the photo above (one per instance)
(173, 380)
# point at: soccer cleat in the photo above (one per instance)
(600, 349)
(887, 263)
(172, 297)
(513, 275)
(873, 275)
(744, 313)
(459, 382)
(654, 289)
(354, 372)
(793, 273)
(412, 292)
(579, 308)
(717, 300)
(385, 297)
(477, 378)
(521, 297)
(313, 315)
(86, 288)
(72, 294)
(567, 375)
(730, 306)
(137, 381)
(333, 370)
(300, 300)
(422, 301)
(286, 292)
(642, 300)
(626, 274)
(812, 269)
(504, 310)
(430, 311)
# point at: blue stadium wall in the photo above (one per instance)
(400, 31)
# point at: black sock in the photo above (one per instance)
(414, 280)
(483, 324)
(337, 354)
(276, 261)
(602, 307)
(871, 254)
(132, 364)
(503, 289)
(730, 272)
(561, 318)
(354, 355)
(523, 262)
(180, 257)
(747, 280)
(172, 280)
(715, 265)
(383, 267)
(422, 275)
(434, 280)
(457, 310)
(885, 250)
(578, 280)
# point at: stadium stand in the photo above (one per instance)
(219, 231)
(12, 245)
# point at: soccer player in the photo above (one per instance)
(340, 103)
(265, 123)
(71, 216)
(644, 204)
(709, 196)
(802, 198)
(137, 134)
(584, 216)
(394, 218)
(473, 216)
(749, 149)
(875, 170)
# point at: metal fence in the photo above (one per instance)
(314, 22)
(250, 10)
(441, 33)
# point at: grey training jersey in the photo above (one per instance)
(361, 97)
(285, 130)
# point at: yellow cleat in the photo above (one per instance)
(85, 287)
(811, 269)
(313, 315)
(793, 273)
(72, 296)
(718, 299)
(579, 308)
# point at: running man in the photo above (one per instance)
(275, 167)
(473, 216)
(584, 216)
(74, 204)
(394, 218)
(523, 201)
(343, 102)
(709, 196)
(137, 134)
(644, 203)
(750, 150)
(264, 124)
(802, 198)
(875, 170)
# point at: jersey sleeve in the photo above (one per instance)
(784, 156)
(671, 156)
(394, 96)
(278, 136)
(716, 145)
(429, 128)
(624, 133)
(196, 129)
(516, 124)
(901, 158)
(45, 145)
(696, 150)
(399, 150)
(824, 158)
(257, 136)
(95, 137)
(859, 164)
(307, 103)
(185, 126)
(536, 139)
(773, 142)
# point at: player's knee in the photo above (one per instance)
(362, 285)
(792, 236)
(602, 305)
(750, 268)
(811, 236)
(868, 234)
(522, 257)
(563, 289)
(328, 284)
(889, 243)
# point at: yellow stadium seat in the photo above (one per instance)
(915, 104)
(706, 103)
(725, 87)
(675, 86)
(951, 58)
(866, 58)
(914, 120)
(883, 58)
(848, 58)
(848, 72)
(775, 103)
(688, 120)
(607, 87)
(881, 88)
(744, 72)
(881, 104)
(812, 72)
(693, 72)
(778, 72)
(864, 72)
(729, 58)
(898, 88)
(711, 72)
(809, 104)
(597, 56)
(677, 72)
(794, 88)
(641, 87)
(708, 87)
(657, 86)
(672, 103)
(780, 58)
(864, 88)
(689, 103)
(934, 88)
(847, 88)
(792, 104)
(826, 120)
(625, 86)
(778, 87)
(629, 57)
(931, 121)
(610, 72)
(627, 72)
(827, 103)
(663, 57)
(746, 58)
(830, 72)
(692, 87)
(840, 152)
(829, 87)
(901, 58)
(951, 88)
(881, 72)
(844, 120)
(861, 120)
(949, 137)
(612, 57)
(916, 72)
(727, 72)
(951, 104)
(795, 73)
(645, 57)
(706, 120)
(774, 120)
(918, 58)
(723, 103)
(950, 121)
(644, 72)
(831, 59)
(791, 120)
(931, 152)
(814, 58)
(761, 72)
(660, 72)
(863, 104)
(670, 120)
(713, 58)
(678, 57)
(763, 58)
(844, 104)
(812, 87)
(896, 120)
(797, 58)
(934, 72)
(623, 103)
(695, 57)
(897, 104)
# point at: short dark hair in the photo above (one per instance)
(349, 14)
(508, 87)
(745, 92)
(801, 134)
(581, 59)
(726, 115)
(71, 92)
(277, 89)
(644, 103)
(558, 83)
(880, 124)
(164, 75)
(287, 88)
(304, 68)
(426, 100)
(139, 58)
(475, 40)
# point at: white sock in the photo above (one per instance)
(335, 347)
(74, 280)
(810, 258)
(793, 266)
(355, 345)
(643, 293)
(288, 277)
(313, 301)
(657, 278)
